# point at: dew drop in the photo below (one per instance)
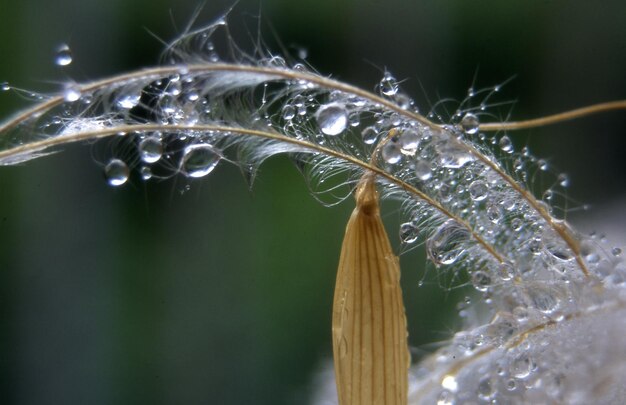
(563, 180)
(505, 271)
(369, 135)
(617, 252)
(150, 149)
(332, 118)
(391, 152)
(422, 170)
(128, 101)
(408, 142)
(481, 280)
(71, 92)
(289, 112)
(516, 224)
(199, 160)
(470, 123)
(486, 388)
(63, 56)
(544, 299)
(511, 384)
(4, 86)
(388, 85)
(446, 398)
(505, 144)
(493, 213)
(146, 173)
(408, 232)
(478, 190)
(446, 245)
(116, 172)
(522, 366)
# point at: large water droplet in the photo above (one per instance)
(391, 152)
(116, 172)
(150, 149)
(332, 118)
(63, 56)
(446, 245)
(199, 160)
(478, 190)
(470, 123)
(408, 142)
(408, 232)
(369, 135)
(423, 170)
(388, 85)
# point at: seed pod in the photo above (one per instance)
(369, 324)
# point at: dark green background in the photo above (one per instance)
(221, 295)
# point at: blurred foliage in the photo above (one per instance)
(153, 293)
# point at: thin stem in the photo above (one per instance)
(555, 118)
(106, 132)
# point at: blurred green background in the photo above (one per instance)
(221, 295)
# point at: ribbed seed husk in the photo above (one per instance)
(369, 324)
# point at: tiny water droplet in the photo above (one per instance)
(5, 86)
(369, 135)
(193, 95)
(128, 101)
(446, 398)
(146, 173)
(563, 180)
(408, 142)
(388, 85)
(486, 388)
(543, 164)
(71, 92)
(391, 152)
(199, 160)
(422, 170)
(408, 232)
(481, 280)
(446, 244)
(150, 149)
(478, 190)
(505, 144)
(505, 271)
(332, 118)
(470, 123)
(493, 213)
(522, 366)
(63, 55)
(616, 251)
(116, 172)
(289, 112)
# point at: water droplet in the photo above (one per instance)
(478, 190)
(289, 112)
(354, 119)
(146, 173)
(332, 118)
(516, 224)
(449, 383)
(470, 123)
(544, 299)
(505, 271)
(511, 384)
(486, 388)
(369, 135)
(388, 85)
(408, 232)
(5, 86)
(522, 366)
(199, 160)
(391, 152)
(505, 144)
(446, 398)
(63, 56)
(128, 101)
(116, 172)
(563, 180)
(481, 280)
(543, 164)
(616, 251)
(422, 170)
(150, 149)
(493, 213)
(71, 92)
(193, 95)
(446, 245)
(408, 142)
